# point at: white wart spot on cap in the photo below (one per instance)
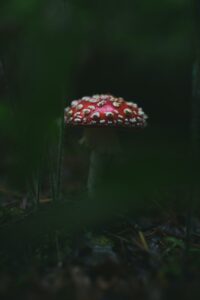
(92, 107)
(77, 114)
(132, 120)
(77, 120)
(86, 111)
(101, 103)
(109, 114)
(67, 109)
(93, 100)
(140, 112)
(129, 104)
(95, 115)
(79, 106)
(104, 97)
(127, 111)
(70, 113)
(116, 104)
(74, 103)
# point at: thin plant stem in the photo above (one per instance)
(55, 156)
(59, 155)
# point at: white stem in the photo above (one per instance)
(103, 143)
(98, 164)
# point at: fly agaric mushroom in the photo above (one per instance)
(100, 115)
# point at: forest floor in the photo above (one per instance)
(131, 258)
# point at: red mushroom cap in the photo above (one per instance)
(104, 110)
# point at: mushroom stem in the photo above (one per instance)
(104, 144)
(99, 163)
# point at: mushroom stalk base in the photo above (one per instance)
(104, 144)
(99, 164)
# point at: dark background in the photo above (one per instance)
(55, 51)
